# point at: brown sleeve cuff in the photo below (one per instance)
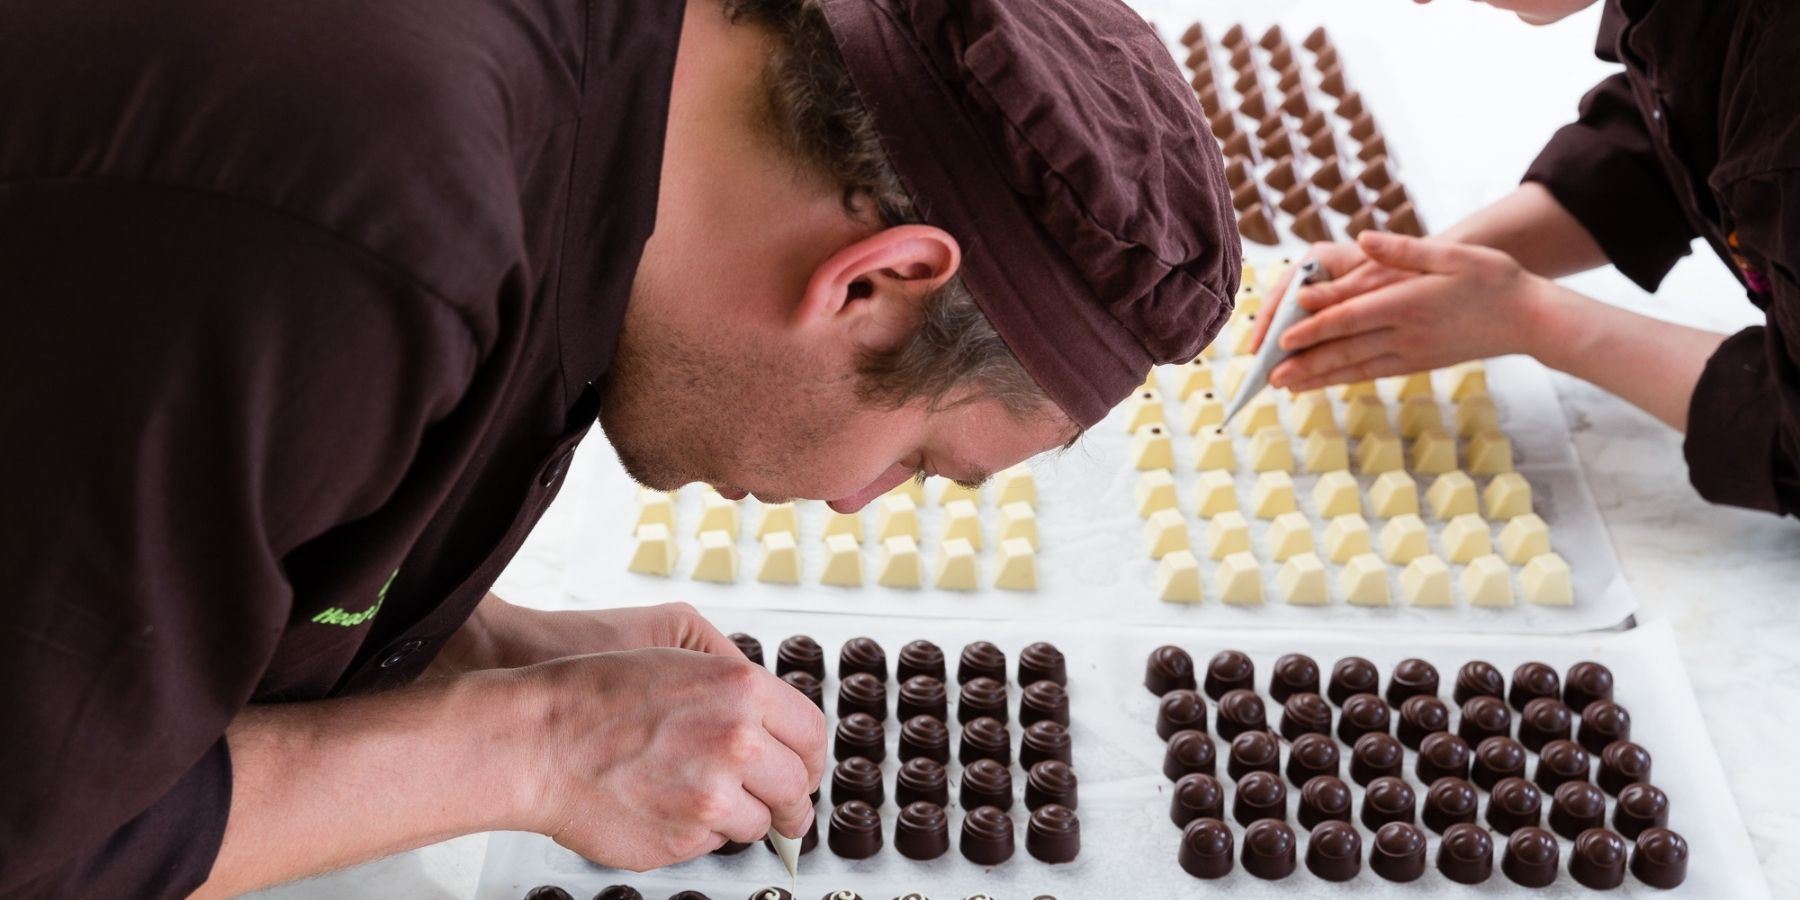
(1604, 170)
(1734, 448)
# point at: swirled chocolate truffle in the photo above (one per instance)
(1197, 796)
(1559, 762)
(800, 654)
(1398, 853)
(1259, 796)
(1229, 671)
(1362, 714)
(1180, 710)
(1603, 722)
(771, 893)
(1376, 755)
(1497, 758)
(1334, 851)
(919, 658)
(862, 655)
(1269, 850)
(1543, 720)
(1351, 676)
(805, 683)
(1044, 740)
(1623, 763)
(1044, 701)
(1450, 801)
(925, 736)
(547, 892)
(1531, 858)
(1420, 716)
(1477, 679)
(860, 734)
(981, 696)
(1169, 668)
(1253, 751)
(1513, 804)
(688, 895)
(1442, 755)
(1484, 717)
(855, 831)
(617, 892)
(731, 848)
(921, 779)
(987, 836)
(987, 783)
(1587, 682)
(1240, 711)
(842, 895)
(1640, 807)
(1206, 849)
(1466, 854)
(857, 778)
(862, 693)
(1050, 782)
(922, 831)
(1576, 807)
(1323, 799)
(1533, 680)
(1054, 835)
(1042, 662)
(1311, 756)
(1295, 673)
(1411, 678)
(1598, 859)
(1388, 799)
(922, 695)
(981, 659)
(749, 646)
(1305, 714)
(1660, 858)
(985, 738)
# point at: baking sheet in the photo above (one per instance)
(1128, 843)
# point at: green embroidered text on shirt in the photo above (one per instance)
(337, 616)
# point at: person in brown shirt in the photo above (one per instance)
(1695, 138)
(307, 306)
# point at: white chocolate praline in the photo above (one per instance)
(956, 566)
(1212, 450)
(654, 508)
(843, 562)
(1451, 495)
(780, 559)
(1259, 414)
(849, 524)
(1178, 578)
(1232, 376)
(1364, 581)
(1507, 496)
(1289, 536)
(717, 514)
(1018, 566)
(1302, 581)
(1201, 411)
(1466, 537)
(1327, 451)
(1245, 333)
(1270, 451)
(1151, 448)
(1419, 414)
(900, 565)
(1490, 453)
(912, 488)
(1394, 494)
(1019, 520)
(1418, 384)
(718, 560)
(1466, 380)
(1486, 581)
(1273, 495)
(1144, 408)
(1310, 412)
(1226, 533)
(655, 551)
(962, 520)
(1434, 452)
(1404, 539)
(1524, 538)
(1346, 537)
(1378, 452)
(895, 516)
(952, 492)
(1366, 415)
(1165, 533)
(1015, 484)
(1155, 490)
(1239, 579)
(1356, 389)
(1215, 492)
(1195, 377)
(1335, 494)
(779, 517)
(1546, 581)
(1475, 415)
(1426, 582)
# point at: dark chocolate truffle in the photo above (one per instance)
(1246, 195)
(1188, 752)
(1234, 38)
(1466, 855)
(1305, 713)
(1253, 751)
(1240, 711)
(1315, 122)
(688, 895)
(922, 695)
(1559, 762)
(1229, 670)
(987, 836)
(1350, 106)
(1482, 718)
(860, 734)
(1272, 39)
(1197, 796)
(1247, 78)
(981, 659)
(1576, 807)
(1404, 219)
(800, 654)
(1322, 145)
(1391, 198)
(1269, 849)
(865, 656)
(1345, 198)
(1363, 220)
(1255, 226)
(855, 831)
(805, 683)
(1603, 722)
(1331, 81)
(1281, 175)
(922, 831)
(923, 779)
(1237, 171)
(857, 778)
(1270, 124)
(1531, 858)
(1044, 701)
(749, 646)
(1295, 199)
(1309, 225)
(627, 892)
(1597, 860)
(1513, 804)
(1477, 679)
(1411, 678)
(1497, 758)
(1329, 176)
(1640, 806)
(925, 736)
(549, 892)
(1376, 755)
(862, 693)
(1242, 61)
(1533, 680)
(1388, 799)
(1042, 662)
(1375, 176)
(1450, 801)
(1442, 755)
(1044, 740)
(1206, 849)
(1311, 756)
(1194, 36)
(1587, 682)
(1375, 149)
(920, 658)
(1660, 858)
(1362, 714)
(1259, 796)
(731, 848)
(1054, 835)
(1180, 710)
(1334, 851)
(987, 783)
(1322, 799)
(1398, 852)
(1623, 763)
(985, 738)
(1543, 720)
(1050, 782)
(1317, 40)
(1420, 716)
(1351, 676)
(1170, 668)
(981, 696)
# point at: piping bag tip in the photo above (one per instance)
(1270, 353)
(789, 850)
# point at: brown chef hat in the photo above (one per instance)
(1059, 144)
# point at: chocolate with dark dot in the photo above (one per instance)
(1597, 860)
(1559, 762)
(1576, 807)
(1044, 701)
(612, 892)
(925, 736)
(981, 659)
(1180, 710)
(1388, 799)
(1442, 755)
(1196, 796)
(1323, 798)
(1042, 662)
(922, 831)
(922, 695)
(1376, 755)
(1450, 801)
(547, 892)
(1466, 854)
(1189, 752)
(749, 646)
(1240, 710)
(1334, 851)
(986, 783)
(985, 738)
(1543, 720)
(1531, 858)
(800, 653)
(1477, 679)
(862, 655)
(1311, 756)
(1660, 858)
(1640, 807)
(919, 658)
(1513, 804)
(1269, 849)
(1206, 849)
(1259, 796)
(1054, 834)
(1229, 670)
(1398, 853)
(1044, 740)
(1351, 676)
(860, 734)
(857, 778)
(1253, 751)
(1362, 714)
(1411, 678)
(987, 836)
(1623, 763)
(1294, 673)
(981, 696)
(1305, 713)
(805, 683)
(1587, 682)
(921, 779)
(1603, 722)
(1497, 758)
(1169, 668)
(1050, 782)
(855, 830)
(862, 693)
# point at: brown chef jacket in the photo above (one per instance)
(302, 307)
(1700, 136)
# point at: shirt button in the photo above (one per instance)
(401, 653)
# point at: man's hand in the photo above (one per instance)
(1352, 275)
(501, 635)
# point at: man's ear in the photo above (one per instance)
(871, 290)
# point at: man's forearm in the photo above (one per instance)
(1531, 227)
